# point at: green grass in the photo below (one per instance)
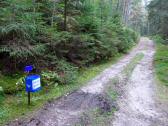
(9, 83)
(130, 67)
(15, 106)
(161, 68)
(161, 63)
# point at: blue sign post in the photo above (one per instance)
(33, 82)
(28, 69)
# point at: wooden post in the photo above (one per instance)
(28, 98)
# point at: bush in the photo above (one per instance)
(118, 39)
(67, 72)
(9, 84)
(29, 38)
(127, 39)
(161, 60)
(158, 39)
(88, 24)
(50, 78)
(64, 73)
(1, 95)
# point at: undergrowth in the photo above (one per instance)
(161, 60)
(36, 33)
(14, 106)
(161, 67)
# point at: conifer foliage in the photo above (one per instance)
(77, 32)
(158, 17)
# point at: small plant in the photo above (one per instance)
(50, 77)
(161, 60)
(1, 94)
(20, 84)
(67, 72)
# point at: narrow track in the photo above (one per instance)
(136, 108)
(138, 105)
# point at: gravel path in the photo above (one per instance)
(137, 106)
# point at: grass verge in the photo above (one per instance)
(15, 106)
(130, 67)
(161, 67)
(161, 63)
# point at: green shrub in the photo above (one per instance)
(161, 60)
(127, 39)
(158, 39)
(88, 24)
(9, 84)
(50, 78)
(1, 95)
(118, 39)
(29, 35)
(63, 73)
(67, 72)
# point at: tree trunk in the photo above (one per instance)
(118, 4)
(65, 15)
(34, 9)
(53, 13)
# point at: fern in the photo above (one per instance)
(22, 51)
(20, 30)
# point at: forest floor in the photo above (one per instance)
(133, 99)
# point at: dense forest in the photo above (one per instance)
(158, 17)
(58, 37)
(66, 41)
(158, 28)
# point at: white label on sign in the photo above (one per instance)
(36, 84)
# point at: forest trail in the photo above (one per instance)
(137, 105)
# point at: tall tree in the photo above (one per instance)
(65, 14)
(158, 17)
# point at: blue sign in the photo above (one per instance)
(28, 68)
(33, 83)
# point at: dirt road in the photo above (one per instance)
(137, 103)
